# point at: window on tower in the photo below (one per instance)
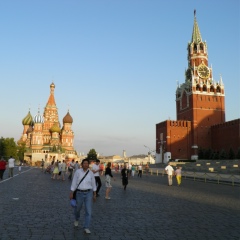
(204, 88)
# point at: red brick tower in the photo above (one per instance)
(200, 99)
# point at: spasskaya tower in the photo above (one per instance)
(200, 99)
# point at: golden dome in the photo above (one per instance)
(55, 128)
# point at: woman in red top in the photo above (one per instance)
(2, 167)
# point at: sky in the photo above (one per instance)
(115, 64)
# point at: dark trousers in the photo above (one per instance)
(70, 173)
(1, 173)
(98, 183)
(139, 173)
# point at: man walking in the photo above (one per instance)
(11, 161)
(70, 169)
(169, 170)
(96, 170)
(84, 182)
(125, 174)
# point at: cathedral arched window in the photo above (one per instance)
(211, 89)
(198, 87)
(201, 47)
(204, 88)
(218, 89)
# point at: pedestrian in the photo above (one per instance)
(96, 171)
(108, 176)
(125, 174)
(178, 174)
(2, 167)
(20, 168)
(42, 165)
(147, 169)
(70, 169)
(59, 169)
(170, 171)
(63, 169)
(11, 162)
(133, 170)
(84, 182)
(52, 167)
(55, 171)
(130, 169)
(140, 170)
(76, 166)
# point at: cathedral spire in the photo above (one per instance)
(196, 35)
(51, 100)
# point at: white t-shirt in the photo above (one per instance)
(169, 170)
(95, 167)
(11, 162)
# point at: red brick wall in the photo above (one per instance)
(226, 135)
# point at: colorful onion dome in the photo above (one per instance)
(68, 118)
(55, 128)
(38, 118)
(28, 119)
(29, 130)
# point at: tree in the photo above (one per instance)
(21, 151)
(92, 155)
(208, 154)
(231, 154)
(200, 153)
(8, 147)
(223, 155)
(238, 154)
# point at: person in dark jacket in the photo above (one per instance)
(125, 173)
(108, 176)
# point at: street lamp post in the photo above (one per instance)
(161, 150)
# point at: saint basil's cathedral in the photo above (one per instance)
(200, 107)
(43, 136)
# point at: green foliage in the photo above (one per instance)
(8, 147)
(200, 153)
(231, 154)
(21, 150)
(92, 154)
(208, 153)
(238, 154)
(223, 155)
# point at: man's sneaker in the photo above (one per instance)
(107, 198)
(86, 230)
(75, 223)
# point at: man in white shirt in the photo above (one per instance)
(96, 169)
(170, 171)
(11, 161)
(86, 191)
(70, 169)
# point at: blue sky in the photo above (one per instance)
(114, 63)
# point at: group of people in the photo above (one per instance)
(10, 164)
(86, 184)
(171, 172)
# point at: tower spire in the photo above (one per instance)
(196, 35)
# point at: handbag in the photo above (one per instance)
(75, 192)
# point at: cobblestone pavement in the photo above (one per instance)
(35, 207)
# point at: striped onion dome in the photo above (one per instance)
(38, 118)
(55, 128)
(68, 118)
(28, 119)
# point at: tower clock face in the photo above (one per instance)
(203, 71)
